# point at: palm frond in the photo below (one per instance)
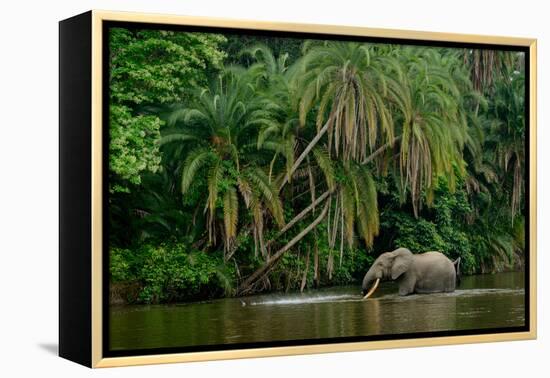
(195, 160)
(325, 163)
(268, 192)
(176, 137)
(214, 178)
(230, 215)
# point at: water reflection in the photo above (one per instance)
(488, 301)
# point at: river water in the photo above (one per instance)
(480, 302)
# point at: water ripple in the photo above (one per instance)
(395, 296)
(309, 299)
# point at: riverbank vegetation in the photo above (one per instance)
(248, 164)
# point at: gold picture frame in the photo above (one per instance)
(91, 327)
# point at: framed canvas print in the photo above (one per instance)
(235, 189)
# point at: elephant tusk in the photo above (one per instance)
(372, 289)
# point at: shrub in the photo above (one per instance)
(170, 272)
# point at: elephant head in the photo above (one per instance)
(388, 266)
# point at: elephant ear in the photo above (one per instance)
(401, 262)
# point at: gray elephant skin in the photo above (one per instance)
(424, 273)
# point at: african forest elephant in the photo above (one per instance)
(430, 272)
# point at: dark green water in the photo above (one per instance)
(485, 301)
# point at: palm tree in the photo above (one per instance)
(345, 84)
(488, 67)
(273, 79)
(220, 128)
(507, 134)
(433, 125)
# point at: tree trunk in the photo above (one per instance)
(304, 277)
(260, 272)
(300, 216)
(381, 149)
(305, 153)
(316, 275)
(235, 245)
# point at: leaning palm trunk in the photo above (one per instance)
(380, 150)
(287, 227)
(270, 263)
(302, 214)
(304, 276)
(314, 142)
(305, 153)
(316, 272)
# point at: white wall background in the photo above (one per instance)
(28, 185)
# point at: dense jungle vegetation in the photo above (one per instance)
(241, 164)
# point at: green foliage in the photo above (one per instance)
(128, 136)
(416, 234)
(121, 265)
(171, 272)
(237, 44)
(149, 68)
(159, 66)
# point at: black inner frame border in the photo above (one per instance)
(107, 352)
